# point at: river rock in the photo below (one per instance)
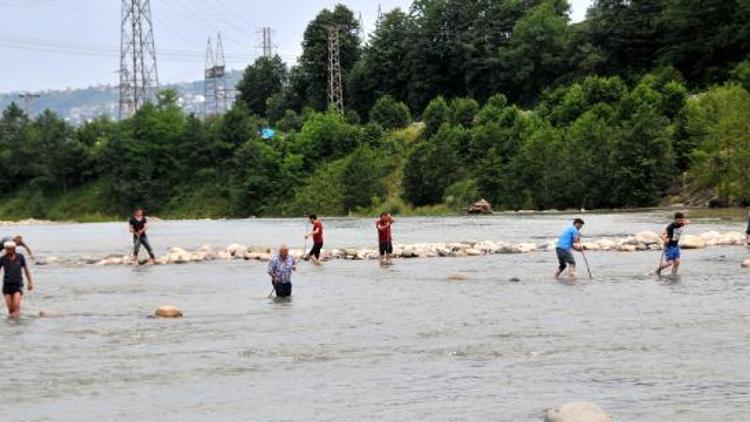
(647, 238)
(48, 313)
(746, 263)
(480, 207)
(692, 242)
(168, 312)
(457, 277)
(711, 238)
(732, 238)
(527, 247)
(577, 412)
(236, 249)
(606, 244)
(592, 246)
(626, 248)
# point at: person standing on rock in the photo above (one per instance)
(317, 236)
(18, 240)
(671, 239)
(569, 240)
(280, 268)
(14, 267)
(384, 238)
(138, 225)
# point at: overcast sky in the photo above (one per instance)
(56, 44)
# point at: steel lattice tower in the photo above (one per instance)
(335, 87)
(139, 80)
(267, 43)
(215, 82)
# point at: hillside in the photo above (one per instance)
(80, 105)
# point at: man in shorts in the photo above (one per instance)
(671, 238)
(569, 240)
(14, 267)
(385, 240)
(317, 236)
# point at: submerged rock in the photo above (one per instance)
(48, 313)
(577, 412)
(167, 311)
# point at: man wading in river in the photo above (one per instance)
(569, 240)
(671, 238)
(317, 236)
(18, 240)
(14, 267)
(384, 238)
(138, 225)
(280, 269)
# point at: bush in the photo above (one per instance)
(362, 179)
(390, 114)
(463, 193)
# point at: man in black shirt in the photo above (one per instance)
(138, 224)
(14, 267)
(671, 238)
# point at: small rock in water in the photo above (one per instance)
(577, 412)
(457, 277)
(746, 263)
(48, 313)
(515, 280)
(168, 312)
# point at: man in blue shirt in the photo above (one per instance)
(280, 269)
(570, 239)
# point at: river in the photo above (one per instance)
(359, 342)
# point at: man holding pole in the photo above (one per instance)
(569, 240)
(280, 269)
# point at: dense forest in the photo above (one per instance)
(447, 102)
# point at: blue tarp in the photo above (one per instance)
(267, 133)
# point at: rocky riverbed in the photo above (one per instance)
(643, 241)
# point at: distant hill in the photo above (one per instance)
(80, 105)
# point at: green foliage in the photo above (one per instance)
(461, 194)
(741, 74)
(718, 124)
(432, 166)
(390, 114)
(363, 179)
(435, 115)
(323, 192)
(261, 81)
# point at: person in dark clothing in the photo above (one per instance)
(18, 240)
(14, 267)
(671, 238)
(138, 225)
(317, 236)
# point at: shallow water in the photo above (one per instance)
(361, 342)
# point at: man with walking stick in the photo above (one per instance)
(280, 269)
(569, 240)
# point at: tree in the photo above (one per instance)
(432, 166)
(261, 81)
(390, 114)
(311, 81)
(435, 115)
(362, 179)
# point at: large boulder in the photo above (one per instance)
(692, 242)
(235, 249)
(167, 311)
(577, 412)
(647, 238)
(479, 207)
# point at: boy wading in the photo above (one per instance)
(14, 268)
(385, 240)
(569, 240)
(671, 238)
(138, 225)
(317, 236)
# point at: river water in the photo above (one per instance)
(359, 342)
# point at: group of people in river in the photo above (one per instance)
(281, 266)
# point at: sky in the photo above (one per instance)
(60, 44)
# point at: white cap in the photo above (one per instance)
(9, 245)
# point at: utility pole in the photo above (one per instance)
(215, 81)
(361, 29)
(28, 98)
(139, 80)
(380, 13)
(335, 87)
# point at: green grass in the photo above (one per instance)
(88, 203)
